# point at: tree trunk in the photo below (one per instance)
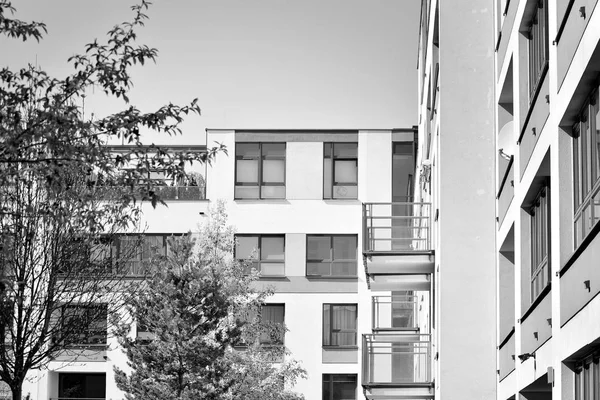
(16, 391)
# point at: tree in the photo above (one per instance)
(54, 168)
(202, 313)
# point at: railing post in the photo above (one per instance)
(364, 226)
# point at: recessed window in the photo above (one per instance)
(339, 325)
(540, 222)
(587, 378)
(331, 255)
(586, 169)
(538, 47)
(340, 171)
(339, 387)
(265, 253)
(81, 386)
(272, 316)
(90, 322)
(259, 171)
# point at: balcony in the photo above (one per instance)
(166, 193)
(397, 365)
(394, 313)
(397, 241)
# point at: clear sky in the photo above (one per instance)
(251, 63)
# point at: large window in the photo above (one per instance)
(331, 255)
(81, 386)
(586, 180)
(339, 387)
(587, 379)
(259, 171)
(538, 46)
(339, 324)
(340, 170)
(265, 253)
(84, 325)
(272, 316)
(540, 223)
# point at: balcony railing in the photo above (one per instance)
(397, 227)
(394, 313)
(396, 360)
(189, 193)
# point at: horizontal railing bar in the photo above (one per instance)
(396, 203)
(398, 217)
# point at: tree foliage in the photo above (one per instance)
(52, 157)
(202, 313)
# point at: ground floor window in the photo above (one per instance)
(587, 378)
(81, 386)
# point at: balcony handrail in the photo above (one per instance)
(411, 232)
(399, 359)
(409, 302)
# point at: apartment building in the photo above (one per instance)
(547, 65)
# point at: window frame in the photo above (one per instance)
(260, 160)
(331, 156)
(88, 329)
(586, 169)
(540, 242)
(587, 378)
(331, 330)
(269, 342)
(258, 261)
(537, 48)
(332, 260)
(330, 380)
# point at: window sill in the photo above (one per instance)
(584, 244)
(340, 347)
(273, 277)
(328, 277)
(536, 302)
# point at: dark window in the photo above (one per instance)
(266, 253)
(259, 171)
(586, 169)
(340, 171)
(587, 379)
(331, 255)
(538, 46)
(81, 386)
(540, 223)
(339, 387)
(339, 324)
(84, 325)
(272, 316)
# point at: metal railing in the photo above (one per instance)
(394, 313)
(190, 193)
(398, 359)
(396, 227)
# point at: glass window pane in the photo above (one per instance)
(327, 150)
(327, 178)
(318, 248)
(246, 192)
(326, 325)
(344, 247)
(273, 149)
(272, 269)
(346, 171)
(596, 133)
(272, 192)
(343, 268)
(345, 192)
(272, 248)
(315, 268)
(345, 150)
(245, 247)
(250, 150)
(273, 171)
(247, 171)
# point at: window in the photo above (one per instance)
(340, 170)
(540, 222)
(586, 169)
(84, 325)
(266, 253)
(259, 171)
(331, 255)
(272, 316)
(538, 47)
(81, 386)
(136, 254)
(339, 387)
(587, 379)
(339, 324)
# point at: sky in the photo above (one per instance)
(252, 64)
